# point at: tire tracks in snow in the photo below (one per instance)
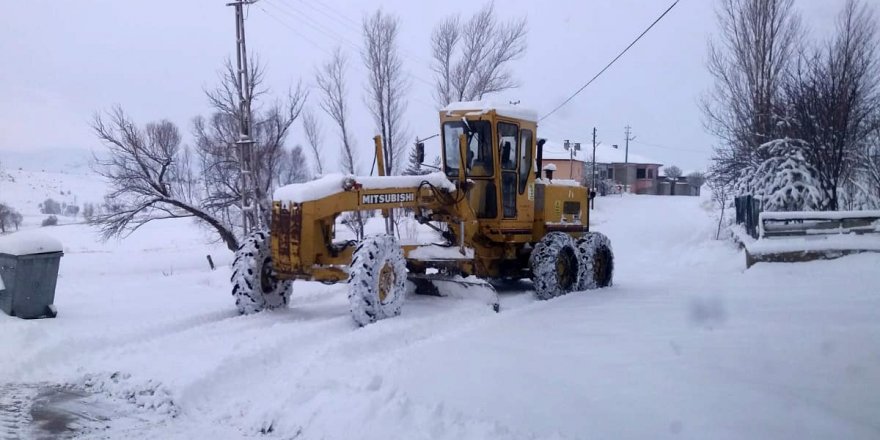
(308, 349)
(60, 350)
(319, 334)
(14, 416)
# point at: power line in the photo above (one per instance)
(330, 13)
(348, 23)
(322, 28)
(318, 46)
(294, 30)
(289, 10)
(668, 148)
(612, 61)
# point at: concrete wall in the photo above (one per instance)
(664, 188)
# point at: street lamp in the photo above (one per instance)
(615, 147)
(571, 147)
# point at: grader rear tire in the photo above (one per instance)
(377, 280)
(597, 260)
(254, 284)
(556, 269)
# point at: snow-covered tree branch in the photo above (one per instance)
(150, 177)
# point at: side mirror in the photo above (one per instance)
(539, 157)
(420, 152)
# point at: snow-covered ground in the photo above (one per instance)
(686, 344)
(24, 190)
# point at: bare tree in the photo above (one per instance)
(216, 137)
(88, 211)
(834, 99)
(5, 217)
(749, 61)
(331, 81)
(16, 219)
(148, 177)
(444, 40)
(294, 167)
(672, 171)
(386, 85)
(696, 179)
(867, 181)
(334, 96)
(315, 138)
(9, 217)
(471, 58)
(720, 196)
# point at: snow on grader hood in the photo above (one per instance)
(336, 183)
(494, 214)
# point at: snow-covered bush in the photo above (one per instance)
(50, 206)
(50, 221)
(88, 211)
(71, 210)
(785, 181)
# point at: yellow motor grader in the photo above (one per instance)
(495, 215)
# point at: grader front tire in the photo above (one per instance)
(254, 284)
(377, 280)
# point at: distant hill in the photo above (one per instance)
(57, 160)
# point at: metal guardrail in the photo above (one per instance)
(800, 223)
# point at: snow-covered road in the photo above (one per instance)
(686, 344)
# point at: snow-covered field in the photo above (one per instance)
(25, 190)
(686, 344)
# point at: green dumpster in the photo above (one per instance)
(28, 273)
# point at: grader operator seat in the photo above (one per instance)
(507, 162)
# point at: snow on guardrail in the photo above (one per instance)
(817, 222)
(817, 215)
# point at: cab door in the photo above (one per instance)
(508, 154)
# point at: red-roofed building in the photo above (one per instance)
(614, 171)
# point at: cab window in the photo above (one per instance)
(479, 152)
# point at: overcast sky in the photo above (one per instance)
(64, 60)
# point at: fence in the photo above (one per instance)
(748, 211)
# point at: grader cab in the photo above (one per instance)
(492, 214)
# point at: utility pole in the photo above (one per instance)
(629, 137)
(593, 179)
(572, 148)
(249, 203)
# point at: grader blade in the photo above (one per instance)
(470, 288)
